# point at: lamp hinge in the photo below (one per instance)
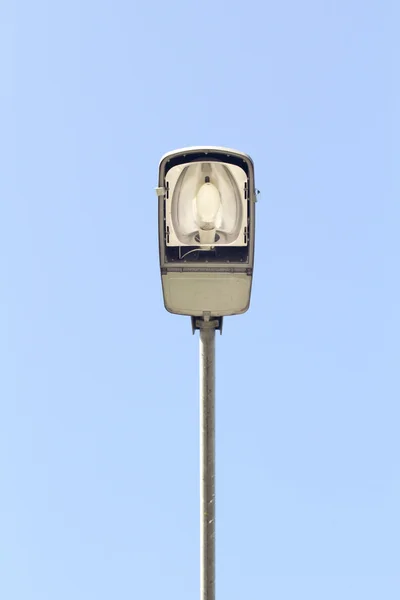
(246, 190)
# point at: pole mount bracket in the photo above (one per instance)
(206, 323)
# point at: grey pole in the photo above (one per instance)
(207, 461)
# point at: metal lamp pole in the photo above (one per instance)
(207, 459)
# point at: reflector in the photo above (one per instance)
(206, 205)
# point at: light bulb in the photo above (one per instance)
(207, 210)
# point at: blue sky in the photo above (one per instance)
(99, 388)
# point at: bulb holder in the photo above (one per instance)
(206, 230)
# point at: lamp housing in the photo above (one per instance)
(206, 230)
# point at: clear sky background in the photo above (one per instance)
(99, 494)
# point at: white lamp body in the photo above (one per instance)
(206, 230)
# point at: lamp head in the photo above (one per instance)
(206, 230)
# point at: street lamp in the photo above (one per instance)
(206, 239)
